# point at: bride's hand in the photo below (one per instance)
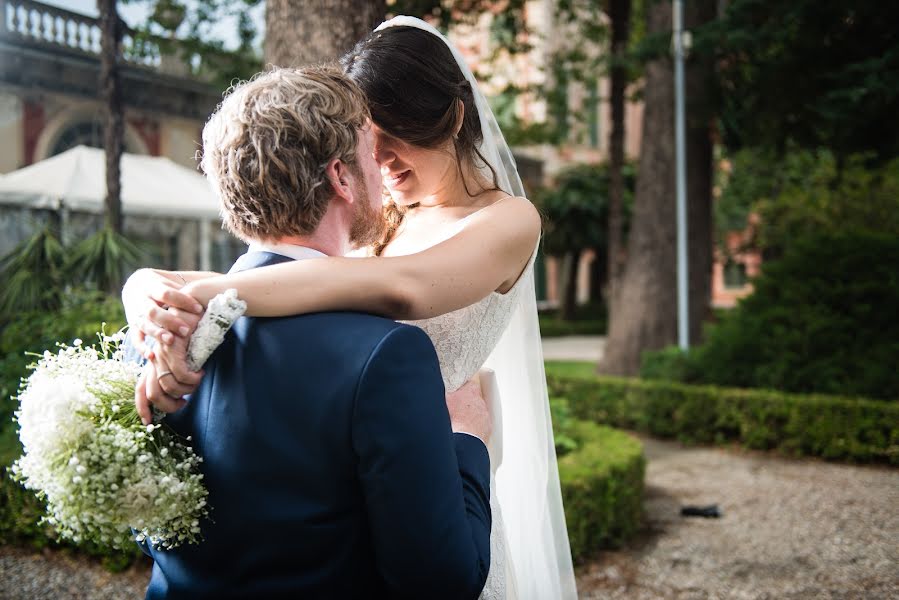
(146, 296)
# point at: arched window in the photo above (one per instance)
(84, 132)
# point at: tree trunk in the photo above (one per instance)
(305, 32)
(643, 313)
(568, 302)
(698, 82)
(619, 14)
(111, 92)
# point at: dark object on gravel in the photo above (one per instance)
(710, 512)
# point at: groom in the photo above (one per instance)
(329, 454)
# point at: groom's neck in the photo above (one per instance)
(324, 246)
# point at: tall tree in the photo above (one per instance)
(811, 73)
(643, 313)
(302, 32)
(620, 16)
(111, 29)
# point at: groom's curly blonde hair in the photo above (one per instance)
(266, 147)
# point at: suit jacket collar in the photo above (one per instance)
(256, 259)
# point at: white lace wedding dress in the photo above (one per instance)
(464, 340)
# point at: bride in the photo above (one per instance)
(457, 260)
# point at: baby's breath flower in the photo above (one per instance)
(101, 472)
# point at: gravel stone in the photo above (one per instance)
(789, 529)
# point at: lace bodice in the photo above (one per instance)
(465, 338)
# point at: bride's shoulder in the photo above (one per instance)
(514, 210)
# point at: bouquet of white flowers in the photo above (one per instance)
(104, 475)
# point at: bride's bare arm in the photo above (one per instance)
(487, 255)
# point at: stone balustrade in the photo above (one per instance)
(37, 23)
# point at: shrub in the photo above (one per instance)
(588, 319)
(850, 429)
(602, 487)
(820, 320)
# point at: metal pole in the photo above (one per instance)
(205, 245)
(683, 319)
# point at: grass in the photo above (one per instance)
(570, 368)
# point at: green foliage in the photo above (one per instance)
(834, 428)
(104, 260)
(820, 74)
(602, 489)
(33, 273)
(670, 364)
(602, 483)
(588, 319)
(601, 473)
(39, 270)
(826, 197)
(187, 30)
(578, 369)
(575, 209)
(821, 319)
(802, 192)
(563, 423)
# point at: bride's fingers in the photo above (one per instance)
(192, 319)
(168, 321)
(169, 295)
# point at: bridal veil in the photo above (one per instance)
(528, 487)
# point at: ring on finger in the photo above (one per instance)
(163, 374)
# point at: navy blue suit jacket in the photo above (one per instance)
(331, 467)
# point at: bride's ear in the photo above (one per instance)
(460, 117)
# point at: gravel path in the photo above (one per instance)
(55, 575)
(790, 529)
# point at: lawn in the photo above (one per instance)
(570, 368)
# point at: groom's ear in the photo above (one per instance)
(339, 176)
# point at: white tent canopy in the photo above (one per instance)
(151, 186)
(76, 180)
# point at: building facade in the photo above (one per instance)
(49, 103)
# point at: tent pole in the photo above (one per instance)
(205, 246)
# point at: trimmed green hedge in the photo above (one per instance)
(589, 319)
(602, 487)
(851, 429)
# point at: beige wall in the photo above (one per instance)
(11, 134)
(180, 140)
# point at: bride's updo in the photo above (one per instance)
(415, 93)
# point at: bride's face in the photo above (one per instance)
(412, 174)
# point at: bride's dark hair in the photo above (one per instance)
(415, 93)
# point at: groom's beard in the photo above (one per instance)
(368, 224)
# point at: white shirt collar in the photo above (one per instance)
(288, 250)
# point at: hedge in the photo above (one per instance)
(830, 427)
(602, 488)
(818, 322)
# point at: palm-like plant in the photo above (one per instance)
(33, 274)
(103, 260)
